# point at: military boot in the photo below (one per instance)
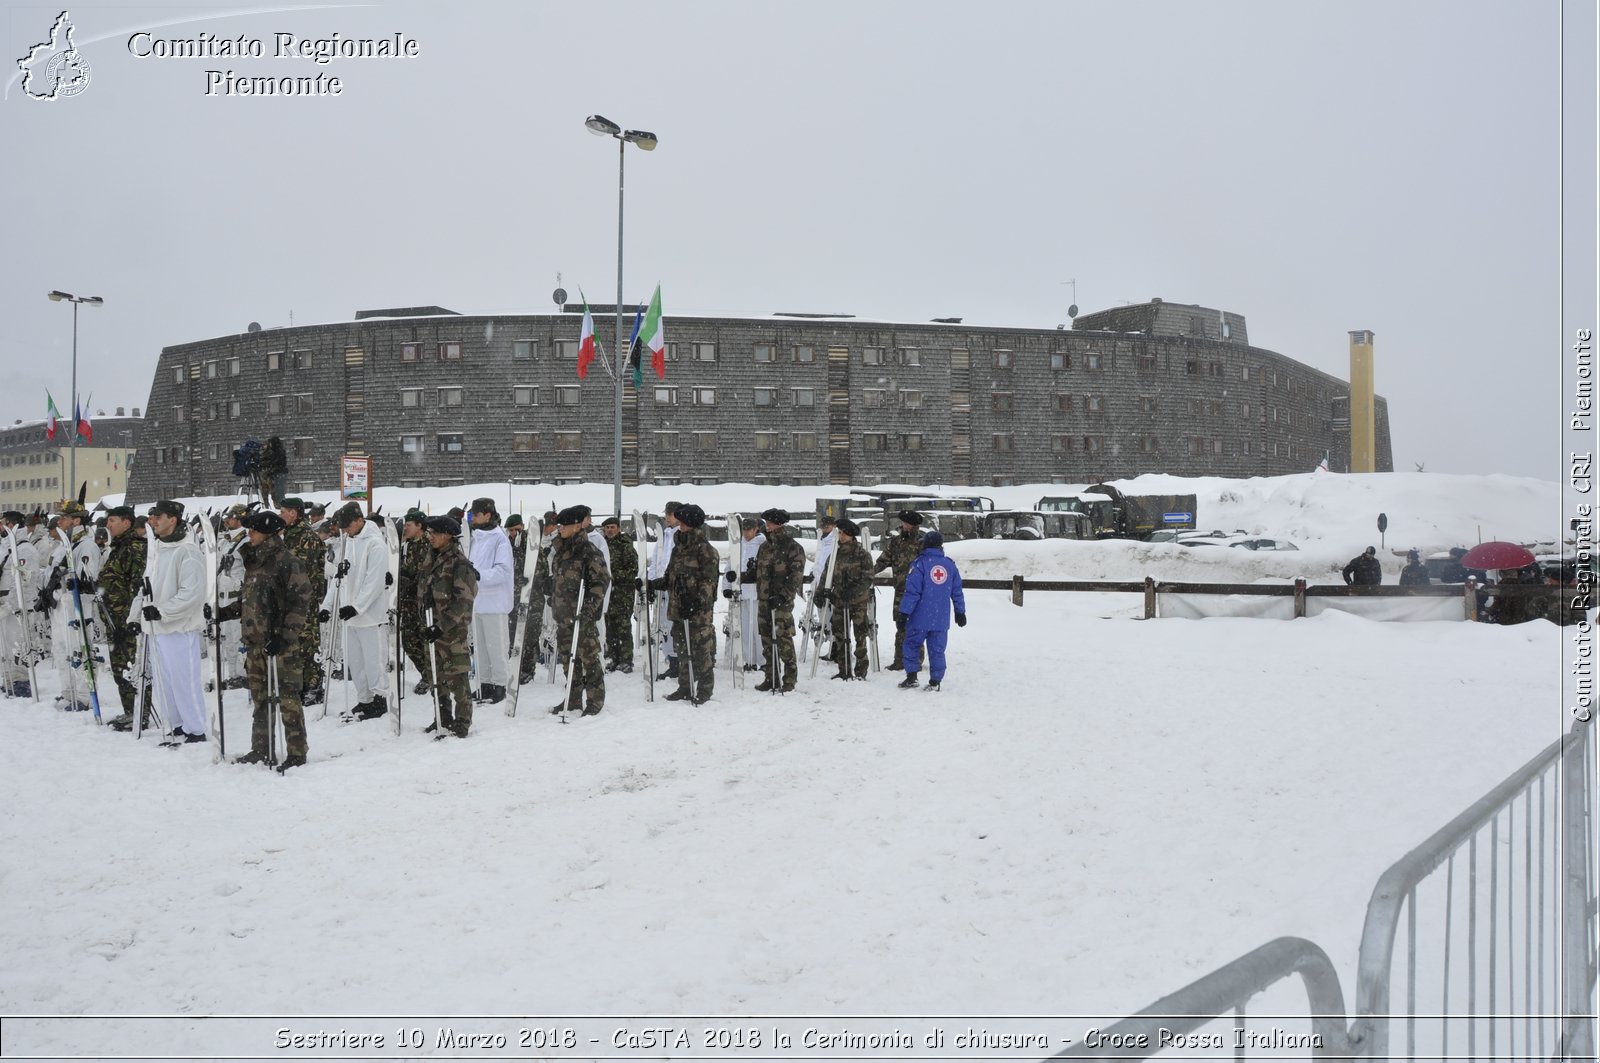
(121, 723)
(293, 760)
(765, 685)
(908, 682)
(255, 756)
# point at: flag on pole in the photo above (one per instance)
(654, 337)
(81, 423)
(585, 339)
(51, 416)
(634, 350)
(1322, 466)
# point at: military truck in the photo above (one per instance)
(1114, 515)
(1032, 525)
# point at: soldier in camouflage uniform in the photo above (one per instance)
(577, 570)
(312, 552)
(416, 557)
(852, 599)
(897, 556)
(619, 614)
(273, 610)
(446, 590)
(780, 568)
(691, 586)
(120, 575)
(517, 532)
(538, 598)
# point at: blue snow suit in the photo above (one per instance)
(932, 586)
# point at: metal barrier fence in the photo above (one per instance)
(1499, 931)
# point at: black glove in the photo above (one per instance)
(87, 586)
(433, 634)
(342, 571)
(206, 611)
(72, 583)
(151, 613)
(274, 646)
(226, 564)
(323, 616)
(824, 595)
(659, 583)
(961, 620)
(730, 593)
(638, 584)
(808, 577)
(347, 612)
(135, 627)
(730, 576)
(779, 605)
(388, 579)
(42, 605)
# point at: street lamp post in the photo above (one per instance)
(92, 300)
(605, 127)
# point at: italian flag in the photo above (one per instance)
(83, 428)
(585, 340)
(51, 415)
(654, 337)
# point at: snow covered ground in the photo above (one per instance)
(1095, 811)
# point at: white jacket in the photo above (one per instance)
(365, 583)
(747, 554)
(177, 574)
(825, 547)
(663, 552)
(491, 556)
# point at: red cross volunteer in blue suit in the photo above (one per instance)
(933, 586)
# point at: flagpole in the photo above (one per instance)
(72, 477)
(616, 410)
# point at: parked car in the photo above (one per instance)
(1265, 544)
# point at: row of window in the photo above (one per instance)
(38, 483)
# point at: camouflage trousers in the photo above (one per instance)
(696, 639)
(530, 641)
(853, 620)
(619, 632)
(290, 676)
(777, 642)
(589, 677)
(308, 653)
(124, 652)
(454, 685)
(415, 644)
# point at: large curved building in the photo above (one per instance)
(436, 397)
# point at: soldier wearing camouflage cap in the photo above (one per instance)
(579, 581)
(416, 556)
(899, 553)
(446, 591)
(780, 567)
(120, 576)
(304, 544)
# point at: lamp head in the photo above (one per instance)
(56, 297)
(644, 141)
(92, 300)
(601, 126)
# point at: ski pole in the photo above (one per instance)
(688, 657)
(577, 626)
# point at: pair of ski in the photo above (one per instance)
(26, 655)
(733, 628)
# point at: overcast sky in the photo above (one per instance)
(1318, 168)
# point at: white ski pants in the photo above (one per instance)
(491, 646)
(364, 662)
(179, 691)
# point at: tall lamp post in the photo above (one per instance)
(605, 127)
(92, 300)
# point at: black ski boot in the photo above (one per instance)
(493, 693)
(291, 761)
(933, 686)
(255, 756)
(121, 723)
(909, 681)
(421, 687)
(678, 695)
(764, 686)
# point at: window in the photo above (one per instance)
(212, 411)
(1244, 372)
(1094, 404)
(274, 362)
(1147, 363)
(764, 352)
(1094, 361)
(567, 395)
(804, 354)
(911, 400)
(411, 352)
(302, 359)
(667, 396)
(1060, 360)
(450, 351)
(1001, 402)
(666, 440)
(1249, 448)
(304, 447)
(805, 441)
(211, 370)
(1063, 403)
(1192, 367)
(213, 453)
(873, 441)
(302, 404)
(567, 349)
(177, 375)
(234, 367)
(1244, 411)
(910, 356)
(1216, 446)
(411, 444)
(1005, 443)
(1061, 444)
(1002, 359)
(522, 350)
(524, 395)
(1147, 404)
(911, 441)
(804, 396)
(181, 414)
(766, 441)
(960, 358)
(1227, 331)
(1093, 444)
(672, 352)
(766, 396)
(1147, 444)
(705, 441)
(569, 441)
(1214, 368)
(524, 442)
(452, 442)
(872, 356)
(449, 396)
(410, 398)
(705, 352)
(875, 398)
(705, 396)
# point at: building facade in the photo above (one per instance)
(437, 398)
(34, 469)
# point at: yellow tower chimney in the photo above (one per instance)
(1363, 436)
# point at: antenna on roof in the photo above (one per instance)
(1072, 311)
(560, 294)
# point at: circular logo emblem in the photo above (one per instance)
(67, 74)
(939, 574)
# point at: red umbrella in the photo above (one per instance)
(1497, 555)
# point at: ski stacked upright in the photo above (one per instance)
(212, 551)
(642, 541)
(26, 654)
(872, 643)
(824, 622)
(333, 661)
(734, 593)
(394, 649)
(75, 578)
(520, 617)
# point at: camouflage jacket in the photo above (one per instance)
(541, 570)
(624, 570)
(312, 552)
(120, 574)
(780, 566)
(692, 575)
(416, 557)
(852, 574)
(448, 586)
(897, 556)
(276, 597)
(573, 562)
(519, 560)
